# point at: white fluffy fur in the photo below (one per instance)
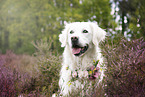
(93, 37)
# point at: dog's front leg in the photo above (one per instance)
(65, 81)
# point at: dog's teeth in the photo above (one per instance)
(83, 48)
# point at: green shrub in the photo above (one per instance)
(49, 66)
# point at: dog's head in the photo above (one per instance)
(81, 36)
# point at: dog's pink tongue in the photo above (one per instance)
(76, 50)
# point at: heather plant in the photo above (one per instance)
(7, 87)
(23, 75)
(125, 74)
(16, 74)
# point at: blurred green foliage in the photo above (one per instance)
(24, 21)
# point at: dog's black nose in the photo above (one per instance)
(74, 40)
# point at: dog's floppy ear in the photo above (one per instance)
(63, 36)
(98, 33)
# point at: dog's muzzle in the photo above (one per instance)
(78, 50)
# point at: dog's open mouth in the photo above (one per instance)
(77, 50)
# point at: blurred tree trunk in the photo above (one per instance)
(142, 17)
(123, 12)
(6, 40)
(123, 24)
(0, 39)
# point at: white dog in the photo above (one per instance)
(81, 40)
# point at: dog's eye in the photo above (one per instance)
(85, 31)
(71, 32)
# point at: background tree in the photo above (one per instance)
(132, 17)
